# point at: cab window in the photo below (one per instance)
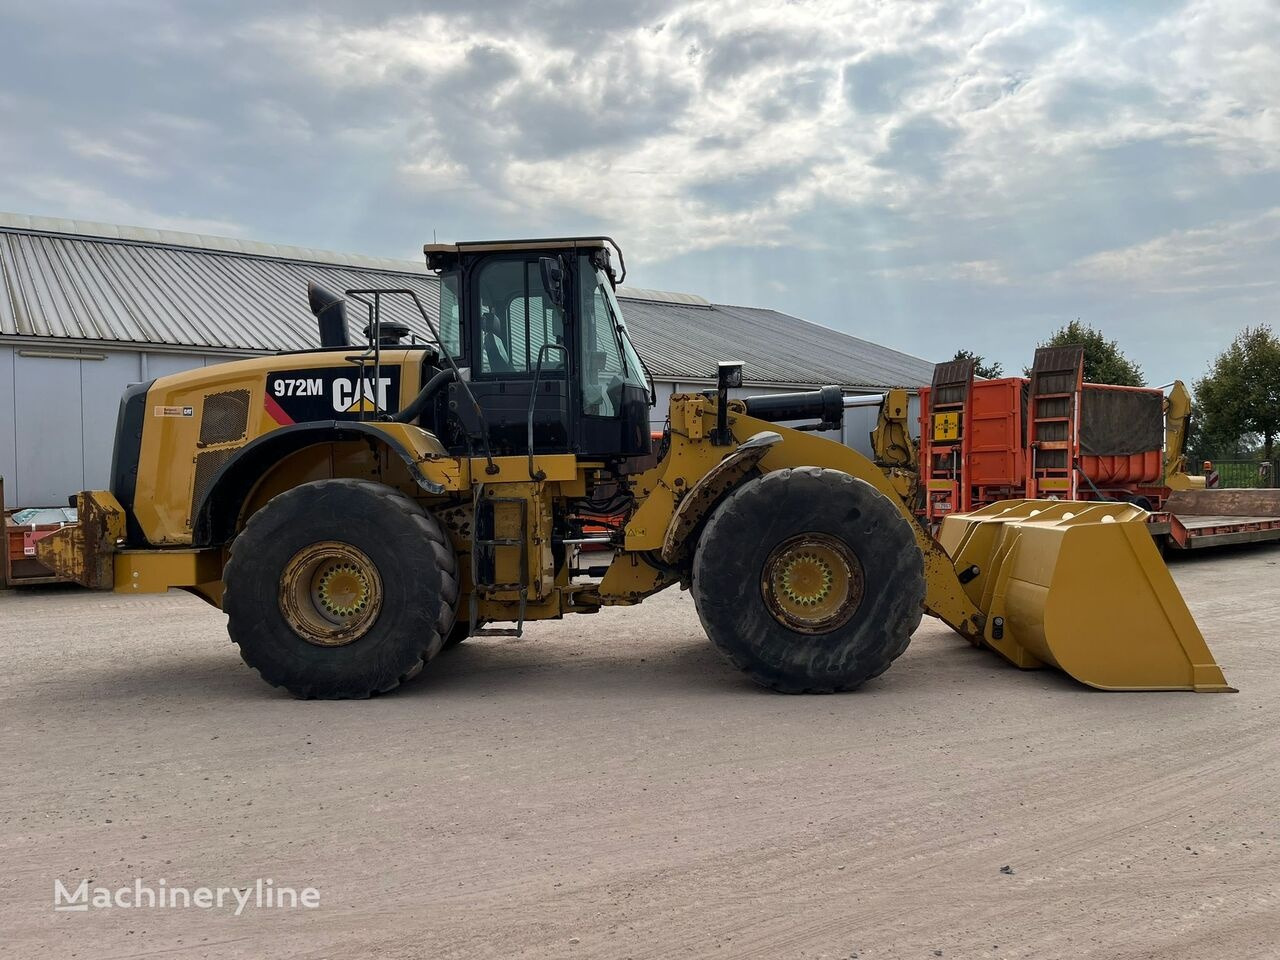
(608, 361)
(450, 319)
(516, 318)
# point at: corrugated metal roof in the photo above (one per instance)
(129, 291)
(185, 291)
(662, 296)
(680, 342)
(23, 223)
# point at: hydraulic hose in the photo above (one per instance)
(429, 390)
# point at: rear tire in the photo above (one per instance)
(340, 589)
(809, 580)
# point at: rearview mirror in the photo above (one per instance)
(553, 279)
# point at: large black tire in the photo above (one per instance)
(375, 536)
(461, 630)
(814, 523)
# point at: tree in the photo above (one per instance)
(989, 371)
(1239, 398)
(1104, 362)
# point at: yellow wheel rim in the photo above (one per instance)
(812, 583)
(330, 593)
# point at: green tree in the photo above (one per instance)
(1104, 362)
(1239, 398)
(981, 367)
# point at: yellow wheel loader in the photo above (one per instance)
(357, 508)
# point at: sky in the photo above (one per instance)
(929, 175)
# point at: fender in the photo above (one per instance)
(677, 544)
(215, 520)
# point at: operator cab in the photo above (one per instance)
(540, 316)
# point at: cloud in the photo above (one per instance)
(1219, 257)
(919, 146)
(798, 93)
(878, 82)
(82, 201)
(939, 173)
(133, 163)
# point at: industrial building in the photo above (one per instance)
(88, 308)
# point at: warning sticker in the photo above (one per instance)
(175, 411)
(946, 426)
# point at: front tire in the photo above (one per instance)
(461, 631)
(340, 589)
(809, 580)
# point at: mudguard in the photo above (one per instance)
(214, 520)
(678, 543)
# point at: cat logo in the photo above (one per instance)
(359, 396)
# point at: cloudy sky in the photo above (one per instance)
(929, 175)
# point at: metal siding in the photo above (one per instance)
(8, 426)
(47, 403)
(163, 364)
(101, 384)
(658, 412)
(858, 424)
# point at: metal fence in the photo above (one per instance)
(1240, 474)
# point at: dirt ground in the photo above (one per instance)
(607, 787)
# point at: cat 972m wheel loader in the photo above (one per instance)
(355, 509)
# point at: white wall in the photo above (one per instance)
(57, 430)
(8, 424)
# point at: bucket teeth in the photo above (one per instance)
(1080, 586)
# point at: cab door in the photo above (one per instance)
(512, 318)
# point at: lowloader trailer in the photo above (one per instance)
(357, 508)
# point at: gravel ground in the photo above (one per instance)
(608, 787)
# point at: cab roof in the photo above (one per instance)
(494, 246)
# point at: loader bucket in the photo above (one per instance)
(1081, 587)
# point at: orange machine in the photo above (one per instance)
(1050, 435)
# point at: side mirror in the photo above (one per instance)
(553, 279)
(330, 311)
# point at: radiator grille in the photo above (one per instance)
(225, 417)
(207, 466)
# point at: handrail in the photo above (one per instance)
(491, 467)
(533, 400)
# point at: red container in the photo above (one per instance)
(1137, 468)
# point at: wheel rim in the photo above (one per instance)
(330, 593)
(812, 583)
